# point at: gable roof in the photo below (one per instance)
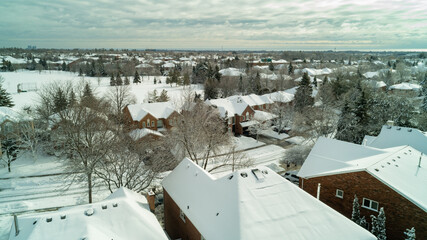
(11, 115)
(229, 107)
(129, 219)
(262, 206)
(396, 167)
(392, 136)
(158, 110)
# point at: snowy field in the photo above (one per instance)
(39, 79)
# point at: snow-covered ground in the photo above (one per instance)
(39, 79)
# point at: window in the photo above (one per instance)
(339, 193)
(182, 215)
(152, 123)
(247, 116)
(143, 124)
(243, 118)
(370, 204)
(148, 122)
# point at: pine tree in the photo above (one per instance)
(72, 98)
(127, 81)
(257, 83)
(363, 223)
(186, 78)
(5, 99)
(355, 215)
(112, 80)
(59, 101)
(88, 98)
(64, 66)
(303, 96)
(271, 66)
(119, 80)
(410, 234)
(163, 96)
(241, 84)
(290, 69)
(155, 81)
(217, 75)
(378, 225)
(136, 78)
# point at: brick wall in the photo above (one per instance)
(174, 225)
(400, 212)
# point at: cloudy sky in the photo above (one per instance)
(217, 24)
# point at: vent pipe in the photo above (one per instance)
(419, 161)
(15, 220)
(318, 191)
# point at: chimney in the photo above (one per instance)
(15, 220)
(318, 191)
(390, 123)
(151, 197)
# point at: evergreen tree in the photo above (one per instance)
(72, 98)
(410, 234)
(5, 99)
(211, 92)
(136, 78)
(88, 98)
(155, 81)
(186, 78)
(303, 96)
(217, 75)
(325, 80)
(271, 66)
(257, 83)
(112, 80)
(241, 89)
(363, 223)
(59, 101)
(80, 72)
(315, 81)
(119, 80)
(290, 69)
(355, 215)
(64, 66)
(378, 225)
(127, 81)
(163, 96)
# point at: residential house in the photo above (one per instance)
(247, 204)
(393, 136)
(393, 178)
(123, 215)
(10, 119)
(406, 89)
(157, 116)
(236, 111)
(256, 102)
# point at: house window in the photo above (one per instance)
(370, 204)
(339, 193)
(247, 116)
(182, 215)
(243, 118)
(143, 124)
(148, 122)
(152, 123)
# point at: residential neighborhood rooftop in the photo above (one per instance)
(158, 110)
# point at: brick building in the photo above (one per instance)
(247, 204)
(154, 116)
(392, 178)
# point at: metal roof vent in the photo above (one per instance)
(258, 174)
(230, 177)
(397, 165)
(49, 219)
(89, 212)
(104, 207)
(115, 204)
(376, 169)
(63, 217)
(409, 130)
(388, 127)
(398, 129)
(243, 174)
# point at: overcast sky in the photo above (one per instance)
(197, 24)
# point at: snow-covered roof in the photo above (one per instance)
(229, 107)
(376, 84)
(254, 204)
(158, 110)
(169, 65)
(10, 114)
(126, 216)
(252, 99)
(280, 61)
(280, 96)
(137, 134)
(231, 72)
(395, 167)
(371, 74)
(406, 86)
(393, 136)
(314, 72)
(144, 65)
(263, 116)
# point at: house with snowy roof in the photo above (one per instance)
(123, 215)
(256, 102)
(247, 204)
(393, 136)
(236, 111)
(406, 89)
(394, 178)
(157, 116)
(9, 121)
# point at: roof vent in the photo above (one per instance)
(34, 223)
(398, 129)
(217, 213)
(264, 172)
(197, 173)
(376, 169)
(49, 219)
(394, 160)
(63, 217)
(89, 212)
(409, 130)
(188, 207)
(382, 166)
(115, 204)
(104, 207)
(397, 165)
(243, 174)
(388, 127)
(258, 174)
(188, 165)
(230, 177)
(388, 163)
(398, 157)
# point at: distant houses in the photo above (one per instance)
(123, 215)
(393, 177)
(247, 204)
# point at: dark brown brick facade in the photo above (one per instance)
(174, 225)
(400, 212)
